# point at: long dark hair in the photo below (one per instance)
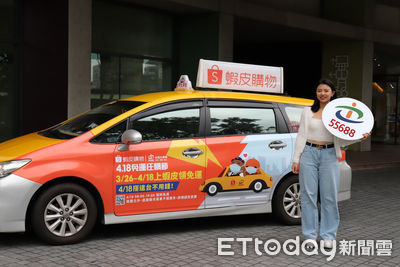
(315, 107)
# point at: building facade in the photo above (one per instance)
(61, 58)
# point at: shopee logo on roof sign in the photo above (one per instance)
(214, 75)
(235, 76)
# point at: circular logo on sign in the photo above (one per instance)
(347, 118)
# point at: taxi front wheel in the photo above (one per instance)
(64, 214)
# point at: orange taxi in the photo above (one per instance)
(154, 157)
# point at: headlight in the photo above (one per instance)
(8, 167)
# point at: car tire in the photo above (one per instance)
(212, 189)
(64, 214)
(258, 185)
(286, 203)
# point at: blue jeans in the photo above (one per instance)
(319, 168)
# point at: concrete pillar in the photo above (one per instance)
(225, 39)
(367, 79)
(79, 50)
(226, 27)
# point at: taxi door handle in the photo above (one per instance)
(276, 145)
(192, 152)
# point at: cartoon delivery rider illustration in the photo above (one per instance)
(252, 167)
(237, 167)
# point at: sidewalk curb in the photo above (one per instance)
(366, 166)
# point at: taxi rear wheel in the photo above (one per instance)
(212, 189)
(286, 202)
(258, 186)
(64, 214)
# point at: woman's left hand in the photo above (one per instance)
(365, 136)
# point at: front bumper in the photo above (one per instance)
(15, 194)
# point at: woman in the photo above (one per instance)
(319, 168)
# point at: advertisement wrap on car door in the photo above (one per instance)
(158, 176)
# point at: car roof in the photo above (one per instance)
(162, 97)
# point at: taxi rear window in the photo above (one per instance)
(294, 115)
(90, 120)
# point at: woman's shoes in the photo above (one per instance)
(327, 243)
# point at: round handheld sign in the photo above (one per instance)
(347, 118)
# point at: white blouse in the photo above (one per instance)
(304, 134)
(318, 132)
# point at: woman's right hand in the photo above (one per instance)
(295, 168)
(365, 136)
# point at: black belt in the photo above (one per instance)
(319, 146)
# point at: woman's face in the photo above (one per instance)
(324, 93)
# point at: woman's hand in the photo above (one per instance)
(295, 168)
(365, 136)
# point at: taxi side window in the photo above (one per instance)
(176, 124)
(242, 121)
(294, 114)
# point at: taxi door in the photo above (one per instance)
(252, 146)
(164, 172)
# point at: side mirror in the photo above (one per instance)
(129, 137)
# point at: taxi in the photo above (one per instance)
(151, 157)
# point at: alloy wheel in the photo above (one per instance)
(292, 200)
(65, 215)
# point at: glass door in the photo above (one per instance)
(385, 107)
(114, 76)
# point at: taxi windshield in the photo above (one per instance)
(90, 120)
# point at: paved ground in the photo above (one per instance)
(372, 214)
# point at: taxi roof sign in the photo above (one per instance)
(237, 76)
